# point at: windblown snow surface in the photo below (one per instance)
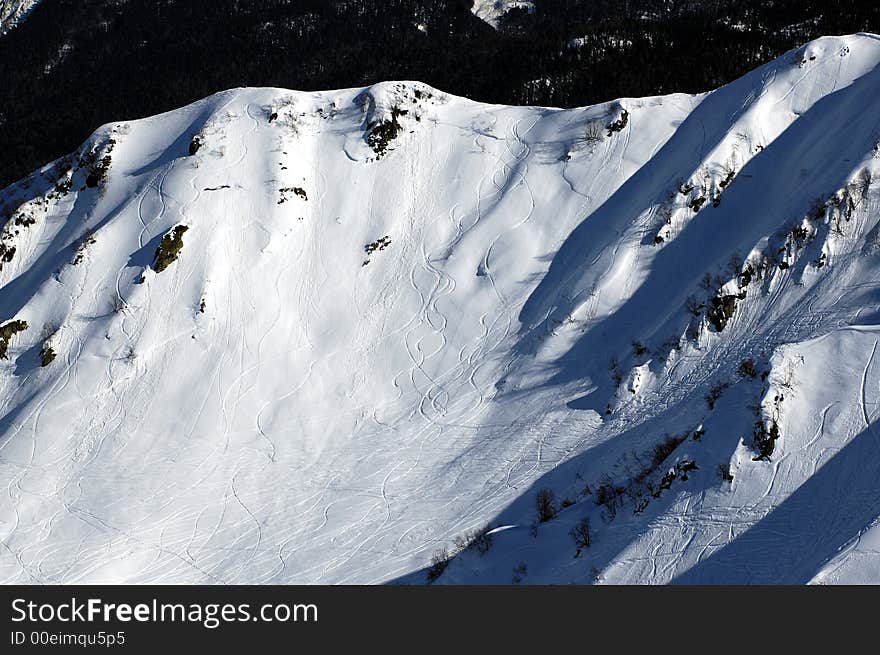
(381, 318)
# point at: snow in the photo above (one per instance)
(493, 11)
(858, 562)
(12, 12)
(397, 314)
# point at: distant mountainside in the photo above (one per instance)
(12, 12)
(495, 12)
(74, 65)
(389, 334)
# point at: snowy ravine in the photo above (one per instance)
(281, 337)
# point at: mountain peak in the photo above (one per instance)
(299, 337)
(494, 11)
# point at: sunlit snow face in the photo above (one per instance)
(290, 337)
(492, 11)
(13, 11)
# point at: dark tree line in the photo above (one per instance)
(76, 64)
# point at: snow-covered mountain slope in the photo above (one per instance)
(281, 337)
(12, 12)
(494, 11)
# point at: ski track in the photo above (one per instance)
(863, 401)
(275, 489)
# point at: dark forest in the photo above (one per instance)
(76, 64)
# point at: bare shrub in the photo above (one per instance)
(581, 535)
(715, 393)
(439, 562)
(478, 539)
(610, 496)
(594, 132)
(747, 369)
(694, 306)
(545, 504)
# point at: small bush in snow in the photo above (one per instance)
(747, 369)
(581, 535)
(697, 203)
(478, 539)
(765, 439)
(47, 352)
(610, 496)
(619, 124)
(382, 133)
(721, 309)
(594, 132)
(664, 449)
(295, 191)
(97, 162)
(818, 209)
(616, 377)
(117, 304)
(545, 504)
(47, 355)
(439, 562)
(694, 306)
(87, 240)
(715, 393)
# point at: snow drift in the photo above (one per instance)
(281, 337)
